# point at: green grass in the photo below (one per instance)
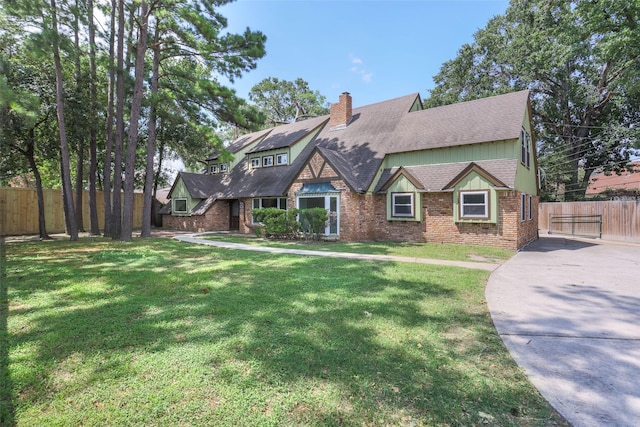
(158, 332)
(406, 249)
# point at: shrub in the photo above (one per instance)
(283, 224)
(313, 222)
(276, 223)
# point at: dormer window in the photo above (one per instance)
(282, 159)
(267, 161)
(213, 169)
(223, 167)
(255, 162)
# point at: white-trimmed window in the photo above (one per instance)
(269, 202)
(523, 207)
(474, 204)
(282, 159)
(530, 207)
(525, 150)
(213, 169)
(180, 206)
(267, 161)
(255, 162)
(223, 167)
(402, 205)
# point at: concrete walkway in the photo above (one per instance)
(569, 313)
(194, 238)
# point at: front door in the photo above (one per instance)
(234, 215)
(329, 202)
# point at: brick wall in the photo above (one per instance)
(215, 219)
(407, 231)
(438, 224)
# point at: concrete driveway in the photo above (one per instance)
(569, 313)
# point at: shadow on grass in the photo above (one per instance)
(266, 323)
(6, 387)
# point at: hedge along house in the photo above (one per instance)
(462, 173)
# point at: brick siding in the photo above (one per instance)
(363, 217)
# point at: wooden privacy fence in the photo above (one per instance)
(19, 211)
(619, 220)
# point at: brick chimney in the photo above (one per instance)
(341, 112)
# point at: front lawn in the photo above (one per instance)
(158, 332)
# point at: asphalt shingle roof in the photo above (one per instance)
(357, 151)
(439, 177)
(241, 142)
(287, 135)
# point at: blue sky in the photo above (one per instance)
(375, 49)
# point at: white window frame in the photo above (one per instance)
(530, 207)
(186, 205)
(395, 205)
(223, 167)
(523, 207)
(282, 159)
(485, 214)
(267, 161)
(255, 162)
(213, 169)
(525, 150)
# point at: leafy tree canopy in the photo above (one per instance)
(581, 61)
(283, 101)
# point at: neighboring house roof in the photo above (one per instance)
(628, 180)
(442, 177)
(161, 195)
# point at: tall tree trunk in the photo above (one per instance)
(78, 135)
(147, 208)
(106, 184)
(65, 200)
(156, 178)
(132, 142)
(64, 147)
(30, 154)
(116, 216)
(93, 118)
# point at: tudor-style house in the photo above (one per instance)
(463, 173)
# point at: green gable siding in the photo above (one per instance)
(527, 178)
(463, 153)
(296, 149)
(403, 185)
(239, 156)
(472, 182)
(180, 192)
(417, 105)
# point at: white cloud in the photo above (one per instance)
(366, 75)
